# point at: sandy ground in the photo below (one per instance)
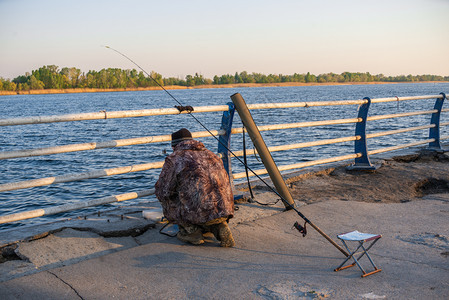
(396, 180)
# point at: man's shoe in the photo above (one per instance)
(195, 238)
(225, 235)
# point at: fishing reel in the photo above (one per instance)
(301, 229)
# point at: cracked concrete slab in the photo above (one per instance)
(16, 268)
(62, 248)
(122, 221)
(69, 245)
(41, 286)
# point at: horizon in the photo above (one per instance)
(231, 73)
(178, 39)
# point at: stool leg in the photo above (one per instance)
(365, 250)
(376, 270)
(369, 257)
(371, 273)
(345, 267)
(351, 254)
(356, 260)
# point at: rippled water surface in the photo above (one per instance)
(54, 134)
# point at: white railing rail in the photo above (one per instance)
(199, 109)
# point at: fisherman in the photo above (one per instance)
(195, 191)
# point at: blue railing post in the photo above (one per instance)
(362, 162)
(226, 125)
(434, 133)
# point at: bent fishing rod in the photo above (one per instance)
(289, 206)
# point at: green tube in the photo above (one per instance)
(262, 149)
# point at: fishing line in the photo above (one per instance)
(287, 204)
(173, 97)
(246, 164)
(155, 81)
(199, 122)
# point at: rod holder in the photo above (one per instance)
(262, 149)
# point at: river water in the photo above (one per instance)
(53, 134)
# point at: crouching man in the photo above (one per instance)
(195, 191)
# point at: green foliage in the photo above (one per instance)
(7, 85)
(310, 78)
(71, 76)
(51, 77)
(35, 84)
(174, 81)
(21, 79)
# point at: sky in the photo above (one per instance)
(179, 37)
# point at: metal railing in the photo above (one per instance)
(361, 153)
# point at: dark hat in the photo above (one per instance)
(179, 136)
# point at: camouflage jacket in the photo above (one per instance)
(193, 186)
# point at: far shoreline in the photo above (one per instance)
(211, 86)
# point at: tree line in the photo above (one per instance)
(52, 77)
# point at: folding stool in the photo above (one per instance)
(355, 236)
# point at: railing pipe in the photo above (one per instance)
(99, 145)
(300, 125)
(434, 132)
(301, 145)
(303, 164)
(384, 133)
(173, 111)
(303, 104)
(73, 206)
(394, 99)
(392, 116)
(335, 103)
(398, 147)
(78, 176)
(107, 115)
(307, 124)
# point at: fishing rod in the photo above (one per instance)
(196, 119)
(300, 228)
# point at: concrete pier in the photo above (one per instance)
(110, 256)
